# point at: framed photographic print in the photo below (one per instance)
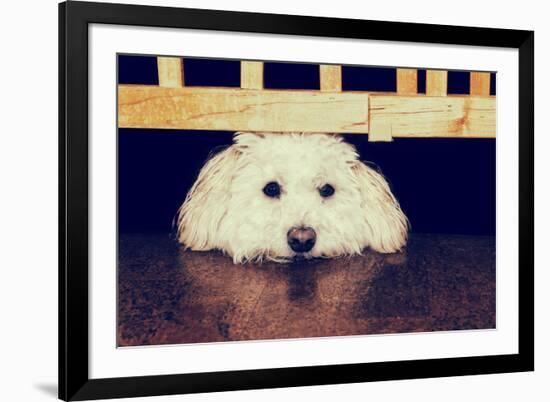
(257, 200)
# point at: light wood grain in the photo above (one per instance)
(480, 84)
(252, 74)
(387, 115)
(330, 78)
(380, 130)
(199, 108)
(170, 70)
(407, 81)
(436, 83)
(423, 116)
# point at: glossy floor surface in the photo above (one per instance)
(170, 296)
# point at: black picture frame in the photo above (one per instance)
(74, 19)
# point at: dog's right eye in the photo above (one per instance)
(272, 189)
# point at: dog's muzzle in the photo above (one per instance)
(301, 239)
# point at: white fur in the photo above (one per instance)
(227, 210)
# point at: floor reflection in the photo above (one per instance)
(170, 296)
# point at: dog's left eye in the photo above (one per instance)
(272, 189)
(326, 191)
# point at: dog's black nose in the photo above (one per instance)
(301, 240)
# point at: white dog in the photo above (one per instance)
(279, 196)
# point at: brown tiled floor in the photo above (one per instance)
(170, 296)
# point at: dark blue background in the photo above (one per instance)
(443, 185)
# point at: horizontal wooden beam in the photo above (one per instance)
(384, 116)
(425, 116)
(199, 108)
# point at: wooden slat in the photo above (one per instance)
(436, 83)
(170, 70)
(423, 116)
(380, 130)
(330, 78)
(199, 108)
(480, 84)
(407, 81)
(252, 75)
(308, 111)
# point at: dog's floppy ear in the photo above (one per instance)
(201, 213)
(387, 224)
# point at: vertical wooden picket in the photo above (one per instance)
(170, 71)
(407, 81)
(252, 75)
(480, 84)
(436, 83)
(330, 78)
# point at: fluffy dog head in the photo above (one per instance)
(279, 196)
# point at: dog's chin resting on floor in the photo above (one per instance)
(278, 197)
